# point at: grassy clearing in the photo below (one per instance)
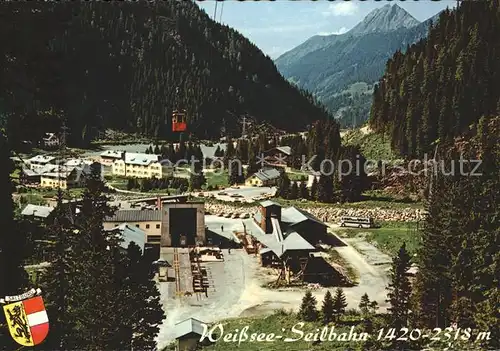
(34, 195)
(296, 175)
(117, 182)
(34, 199)
(390, 236)
(216, 179)
(373, 146)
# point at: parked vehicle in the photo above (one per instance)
(358, 222)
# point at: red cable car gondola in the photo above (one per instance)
(179, 121)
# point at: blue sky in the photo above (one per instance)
(278, 26)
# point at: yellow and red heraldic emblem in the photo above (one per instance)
(26, 317)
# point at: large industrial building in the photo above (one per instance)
(176, 222)
(291, 239)
(148, 221)
(183, 224)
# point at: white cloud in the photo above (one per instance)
(338, 32)
(274, 52)
(279, 28)
(345, 8)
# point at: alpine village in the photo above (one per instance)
(166, 185)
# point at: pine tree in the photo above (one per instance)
(433, 288)
(97, 307)
(353, 180)
(197, 178)
(325, 188)
(339, 302)
(253, 167)
(283, 185)
(303, 191)
(146, 185)
(59, 279)
(366, 306)
(230, 152)
(142, 313)
(327, 309)
(294, 191)
(235, 172)
(13, 277)
(314, 189)
(400, 289)
(130, 183)
(218, 152)
(308, 310)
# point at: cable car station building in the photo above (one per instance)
(183, 224)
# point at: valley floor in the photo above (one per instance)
(237, 287)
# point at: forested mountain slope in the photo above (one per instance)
(443, 83)
(117, 65)
(326, 65)
(459, 263)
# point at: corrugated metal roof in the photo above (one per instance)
(294, 241)
(275, 241)
(188, 326)
(257, 217)
(277, 229)
(253, 227)
(268, 203)
(74, 162)
(125, 216)
(48, 168)
(42, 159)
(29, 172)
(112, 154)
(267, 174)
(225, 234)
(256, 231)
(285, 149)
(293, 215)
(37, 211)
(131, 234)
(140, 159)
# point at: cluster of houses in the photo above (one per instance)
(49, 171)
(127, 231)
(272, 161)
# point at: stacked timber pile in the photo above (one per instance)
(331, 214)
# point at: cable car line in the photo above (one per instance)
(221, 10)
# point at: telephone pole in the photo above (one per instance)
(61, 153)
(244, 131)
(244, 128)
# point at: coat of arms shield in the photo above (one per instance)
(26, 317)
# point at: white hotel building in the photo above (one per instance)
(137, 165)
